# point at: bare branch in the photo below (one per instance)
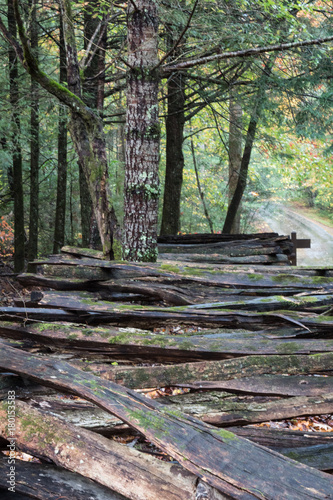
(179, 38)
(166, 70)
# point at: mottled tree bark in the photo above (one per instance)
(19, 236)
(34, 146)
(235, 152)
(89, 140)
(60, 217)
(93, 96)
(143, 133)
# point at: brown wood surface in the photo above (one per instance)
(134, 343)
(278, 439)
(222, 410)
(279, 385)
(102, 460)
(47, 482)
(234, 466)
(172, 375)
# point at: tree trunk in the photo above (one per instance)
(143, 133)
(235, 152)
(34, 147)
(174, 150)
(89, 141)
(14, 97)
(249, 141)
(60, 217)
(93, 96)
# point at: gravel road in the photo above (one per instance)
(284, 220)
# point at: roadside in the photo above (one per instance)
(313, 215)
(284, 218)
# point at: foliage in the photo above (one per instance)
(6, 238)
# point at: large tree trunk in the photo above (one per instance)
(19, 236)
(143, 133)
(34, 148)
(60, 217)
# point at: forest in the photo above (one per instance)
(124, 121)
(154, 341)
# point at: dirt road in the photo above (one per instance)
(283, 220)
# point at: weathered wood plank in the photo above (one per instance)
(47, 482)
(234, 248)
(273, 258)
(123, 469)
(84, 304)
(162, 376)
(320, 456)
(215, 409)
(195, 238)
(278, 385)
(113, 290)
(235, 466)
(182, 272)
(277, 439)
(131, 343)
(83, 252)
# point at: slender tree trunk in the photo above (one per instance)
(34, 147)
(235, 152)
(249, 141)
(174, 165)
(93, 95)
(201, 193)
(19, 236)
(143, 134)
(89, 140)
(60, 217)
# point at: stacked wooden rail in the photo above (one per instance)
(250, 344)
(258, 248)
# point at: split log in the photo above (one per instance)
(320, 456)
(163, 376)
(114, 290)
(185, 273)
(89, 309)
(234, 466)
(82, 414)
(312, 449)
(277, 439)
(134, 343)
(273, 258)
(46, 482)
(23, 388)
(123, 469)
(233, 248)
(204, 238)
(83, 252)
(276, 385)
(215, 409)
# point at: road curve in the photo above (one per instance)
(284, 220)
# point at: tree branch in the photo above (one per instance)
(179, 38)
(166, 70)
(30, 63)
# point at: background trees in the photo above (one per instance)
(193, 59)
